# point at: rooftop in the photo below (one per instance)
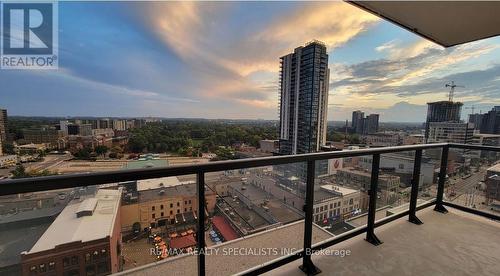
(494, 168)
(69, 228)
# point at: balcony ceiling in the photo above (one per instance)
(447, 23)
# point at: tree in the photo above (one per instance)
(101, 150)
(19, 172)
(8, 148)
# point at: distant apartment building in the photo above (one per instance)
(450, 132)
(485, 140)
(442, 111)
(357, 121)
(63, 126)
(492, 181)
(84, 239)
(105, 123)
(304, 84)
(80, 129)
(269, 146)
(52, 137)
(364, 125)
(3, 125)
(490, 123)
(382, 139)
(120, 124)
(371, 124)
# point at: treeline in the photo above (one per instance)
(192, 137)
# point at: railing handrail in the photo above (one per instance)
(44, 183)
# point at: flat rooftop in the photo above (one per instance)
(69, 228)
(456, 243)
(495, 168)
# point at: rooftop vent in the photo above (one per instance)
(87, 207)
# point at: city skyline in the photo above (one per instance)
(114, 63)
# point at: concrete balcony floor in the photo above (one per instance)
(456, 243)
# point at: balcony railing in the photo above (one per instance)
(26, 185)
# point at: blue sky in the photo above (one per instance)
(221, 60)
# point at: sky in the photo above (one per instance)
(221, 60)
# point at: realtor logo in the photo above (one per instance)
(29, 35)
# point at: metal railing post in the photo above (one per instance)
(414, 187)
(307, 265)
(442, 179)
(200, 234)
(372, 206)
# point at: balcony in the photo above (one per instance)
(382, 239)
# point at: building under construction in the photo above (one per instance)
(442, 111)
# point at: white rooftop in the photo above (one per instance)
(495, 168)
(69, 228)
(338, 189)
(157, 183)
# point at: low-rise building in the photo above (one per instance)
(492, 182)
(269, 146)
(382, 139)
(84, 239)
(362, 179)
(402, 165)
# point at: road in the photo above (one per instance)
(48, 162)
(461, 186)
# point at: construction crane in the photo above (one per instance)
(452, 86)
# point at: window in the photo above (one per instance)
(52, 266)
(190, 208)
(185, 210)
(152, 208)
(401, 166)
(185, 202)
(178, 211)
(190, 201)
(65, 262)
(351, 201)
(90, 270)
(87, 258)
(178, 204)
(161, 214)
(171, 205)
(33, 269)
(74, 260)
(171, 212)
(161, 207)
(43, 268)
(153, 215)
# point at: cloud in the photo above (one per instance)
(223, 67)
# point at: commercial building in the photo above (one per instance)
(450, 132)
(84, 239)
(361, 179)
(119, 124)
(304, 81)
(492, 182)
(442, 111)
(335, 203)
(161, 201)
(401, 165)
(476, 119)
